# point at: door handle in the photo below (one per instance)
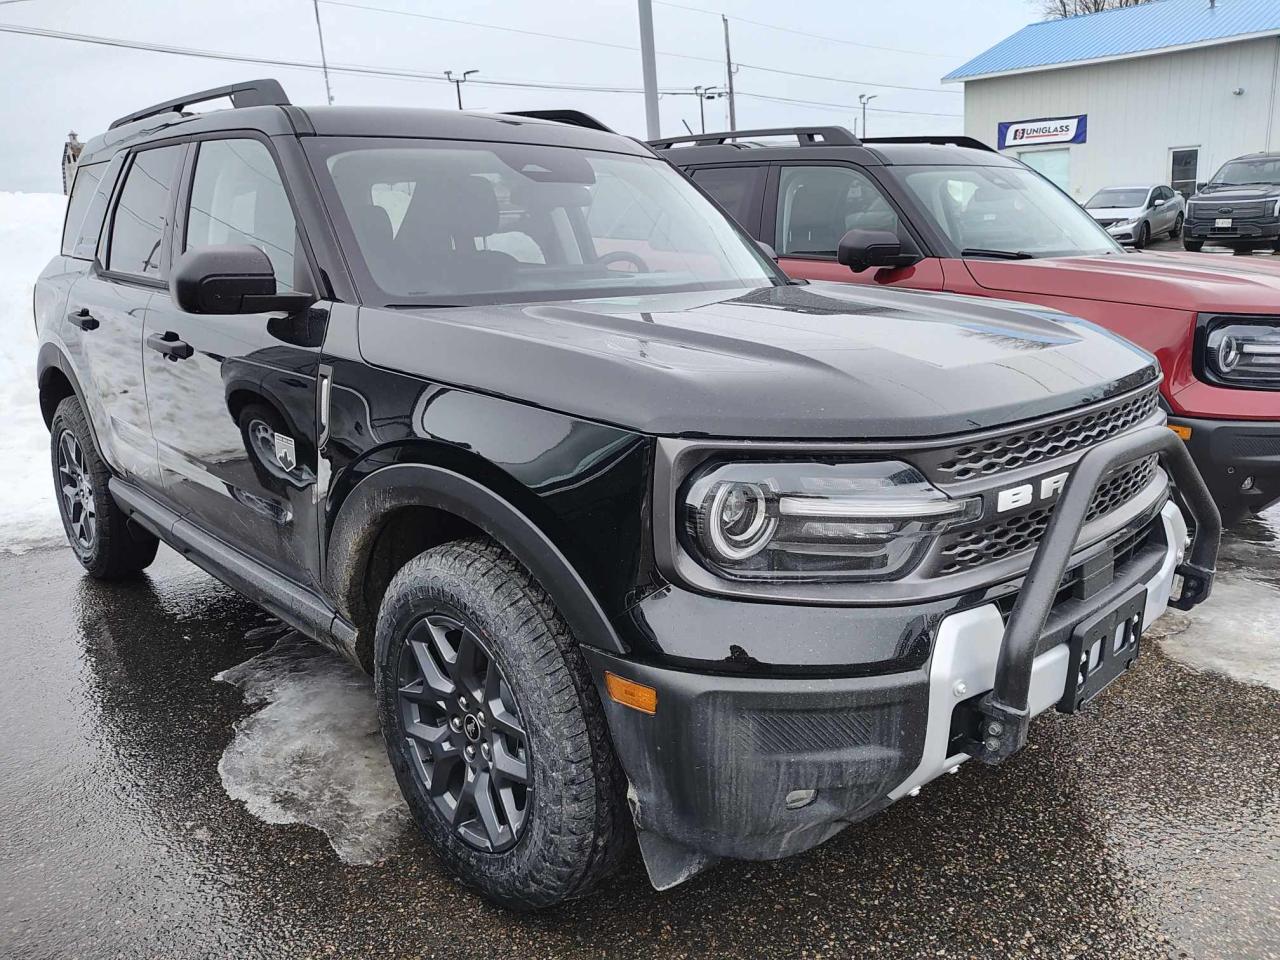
(168, 344)
(83, 319)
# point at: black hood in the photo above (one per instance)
(830, 361)
(1252, 191)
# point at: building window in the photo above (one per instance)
(1184, 165)
(1054, 165)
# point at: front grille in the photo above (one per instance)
(1252, 210)
(967, 549)
(1020, 449)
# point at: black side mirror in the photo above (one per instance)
(234, 278)
(1201, 185)
(862, 249)
(767, 250)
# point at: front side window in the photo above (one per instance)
(1116, 199)
(142, 213)
(819, 205)
(1239, 173)
(237, 197)
(1004, 211)
(451, 223)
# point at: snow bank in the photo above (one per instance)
(30, 234)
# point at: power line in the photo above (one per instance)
(623, 46)
(801, 33)
(845, 106)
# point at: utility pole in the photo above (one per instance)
(324, 62)
(864, 100)
(728, 68)
(648, 67)
(457, 84)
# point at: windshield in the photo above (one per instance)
(1240, 172)
(1115, 199)
(449, 223)
(1010, 210)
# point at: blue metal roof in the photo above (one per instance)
(1131, 31)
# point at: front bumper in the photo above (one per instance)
(1242, 231)
(1239, 460)
(1123, 233)
(752, 767)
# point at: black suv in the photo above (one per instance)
(1239, 207)
(631, 531)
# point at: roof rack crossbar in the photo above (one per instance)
(815, 136)
(253, 93)
(956, 141)
(574, 118)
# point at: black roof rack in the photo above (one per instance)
(808, 136)
(575, 118)
(958, 141)
(254, 93)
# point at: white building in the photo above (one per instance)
(1165, 92)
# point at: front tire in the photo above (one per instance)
(1176, 232)
(1192, 246)
(97, 529)
(495, 730)
(1142, 237)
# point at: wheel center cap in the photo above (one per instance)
(471, 727)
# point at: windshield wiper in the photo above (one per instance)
(997, 254)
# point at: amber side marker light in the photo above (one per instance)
(637, 696)
(1180, 430)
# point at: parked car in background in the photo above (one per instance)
(950, 213)
(1239, 208)
(1137, 215)
(631, 530)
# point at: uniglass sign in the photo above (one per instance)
(1048, 130)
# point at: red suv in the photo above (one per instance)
(950, 214)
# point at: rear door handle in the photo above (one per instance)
(169, 344)
(83, 319)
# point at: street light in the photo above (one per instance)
(703, 94)
(864, 100)
(448, 75)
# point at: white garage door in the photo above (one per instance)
(1054, 164)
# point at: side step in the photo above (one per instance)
(302, 608)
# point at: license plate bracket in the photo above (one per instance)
(1101, 648)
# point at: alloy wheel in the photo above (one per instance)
(463, 732)
(76, 489)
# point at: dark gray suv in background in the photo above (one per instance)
(1239, 208)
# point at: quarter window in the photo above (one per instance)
(237, 197)
(88, 178)
(819, 205)
(142, 213)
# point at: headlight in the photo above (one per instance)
(1244, 352)
(1121, 225)
(815, 521)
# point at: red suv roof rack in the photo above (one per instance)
(575, 118)
(253, 93)
(808, 136)
(958, 141)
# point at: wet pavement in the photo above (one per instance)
(148, 809)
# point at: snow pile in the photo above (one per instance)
(313, 753)
(30, 235)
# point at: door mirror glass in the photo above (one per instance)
(862, 249)
(233, 278)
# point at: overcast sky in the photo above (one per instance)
(52, 86)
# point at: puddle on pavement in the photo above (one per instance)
(312, 752)
(1236, 632)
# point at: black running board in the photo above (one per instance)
(302, 608)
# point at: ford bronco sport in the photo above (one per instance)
(634, 534)
(949, 213)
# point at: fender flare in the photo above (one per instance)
(424, 485)
(51, 357)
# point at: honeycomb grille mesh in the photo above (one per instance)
(1007, 537)
(1021, 449)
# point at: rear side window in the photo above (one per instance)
(142, 213)
(88, 177)
(237, 197)
(734, 188)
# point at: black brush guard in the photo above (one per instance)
(1004, 713)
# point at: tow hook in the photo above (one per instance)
(1000, 731)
